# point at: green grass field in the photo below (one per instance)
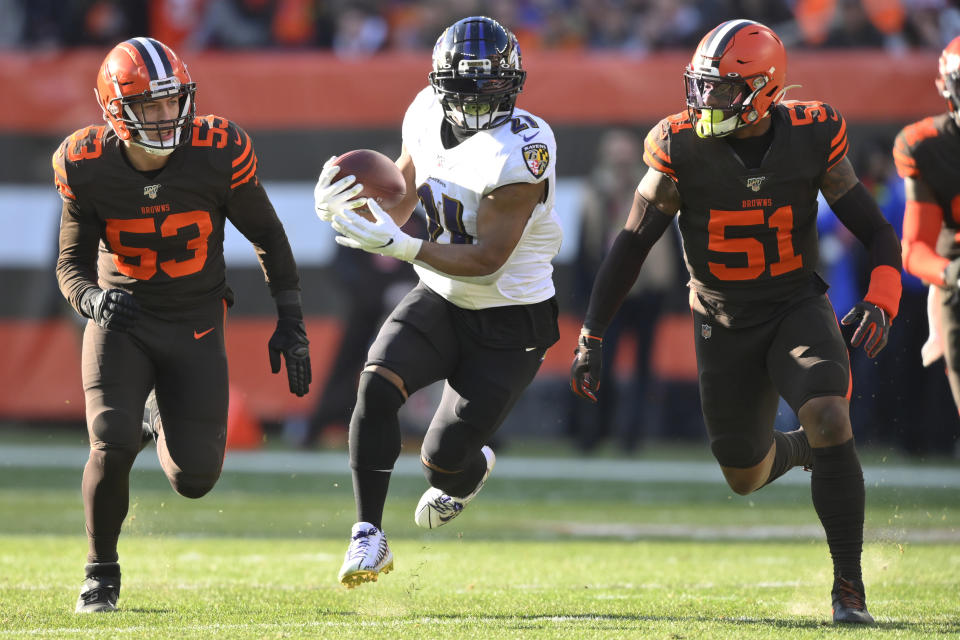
(550, 558)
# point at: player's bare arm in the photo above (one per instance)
(501, 218)
(660, 191)
(838, 181)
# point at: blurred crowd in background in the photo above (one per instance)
(363, 27)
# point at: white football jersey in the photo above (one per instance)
(451, 183)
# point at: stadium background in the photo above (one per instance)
(309, 79)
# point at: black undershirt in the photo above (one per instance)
(751, 150)
(451, 136)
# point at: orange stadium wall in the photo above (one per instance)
(276, 91)
(269, 91)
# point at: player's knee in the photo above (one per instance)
(740, 452)
(742, 482)
(113, 461)
(193, 484)
(826, 419)
(374, 428)
(117, 431)
(445, 454)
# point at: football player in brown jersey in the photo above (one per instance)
(927, 154)
(743, 169)
(145, 201)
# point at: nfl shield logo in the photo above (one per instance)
(755, 182)
(537, 157)
(151, 191)
(706, 331)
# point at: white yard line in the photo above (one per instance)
(640, 471)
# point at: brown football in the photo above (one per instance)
(382, 180)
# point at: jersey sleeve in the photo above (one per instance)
(656, 149)
(79, 238)
(903, 150)
(60, 179)
(532, 157)
(416, 112)
(77, 256)
(838, 146)
(243, 163)
(249, 209)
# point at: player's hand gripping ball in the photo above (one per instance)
(380, 177)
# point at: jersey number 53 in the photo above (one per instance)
(141, 262)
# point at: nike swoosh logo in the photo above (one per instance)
(383, 246)
(529, 138)
(199, 334)
(239, 139)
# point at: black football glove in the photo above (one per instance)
(290, 339)
(587, 364)
(112, 309)
(874, 327)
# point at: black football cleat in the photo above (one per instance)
(101, 589)
(850, 603)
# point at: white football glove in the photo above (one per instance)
(329, 198)
(383, 236)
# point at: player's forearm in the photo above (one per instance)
(77, 259)
(460, 260)
(277, 261)
(921, 226)
(615, 278)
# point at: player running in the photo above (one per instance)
(743, 169)
(145, 201)
(484, 312)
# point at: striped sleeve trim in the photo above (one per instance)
(657, 158)
(838, 146)
(60, 176)
(903, 159)
(247, 161)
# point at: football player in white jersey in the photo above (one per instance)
(484, 311)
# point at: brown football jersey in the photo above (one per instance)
(161, 237)
(749, 235)
(929, 150)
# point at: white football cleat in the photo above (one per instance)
(436, 508)
(367, 556)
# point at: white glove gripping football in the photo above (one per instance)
(383, 236)
(328, 198)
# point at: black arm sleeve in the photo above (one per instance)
(858, 211)
(621, 266)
